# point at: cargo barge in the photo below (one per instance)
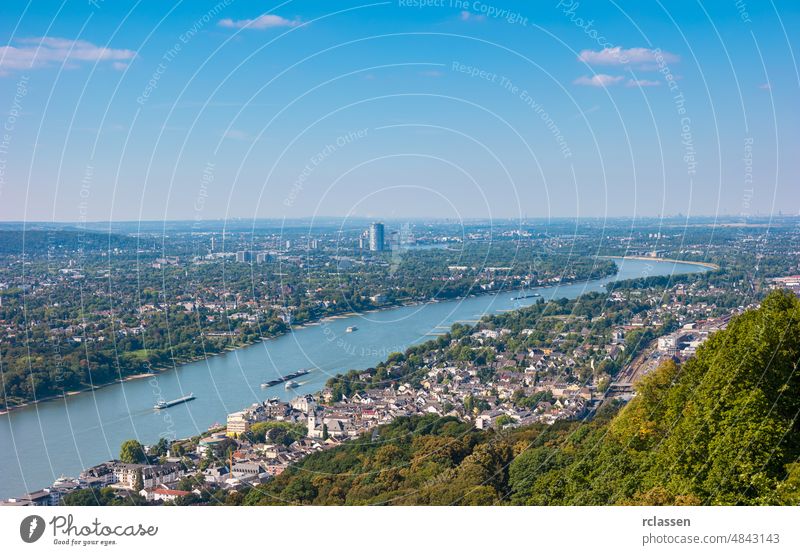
(286, 378)
(166, 404)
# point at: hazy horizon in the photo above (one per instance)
(676, 218)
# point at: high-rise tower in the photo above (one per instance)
(376, 237)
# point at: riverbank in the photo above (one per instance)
(77, 392)
(709, 265)
(158, 369)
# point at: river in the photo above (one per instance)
(41, 442)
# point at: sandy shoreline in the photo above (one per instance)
(709, 265)
(78, 391)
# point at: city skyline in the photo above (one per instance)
(458, 110)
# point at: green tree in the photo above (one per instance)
(160, 449)
(132, 452)
(87, 498)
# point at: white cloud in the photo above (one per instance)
(618, 56)
(765, 86)
(598, 80)
(39, 52)
(642, 83)
(238, 135)
(469, 16)
(265, 21)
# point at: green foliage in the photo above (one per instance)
(132, 452)
(88, 497)
(404, 466)
(93, 497)
(720, 429)
(160, 449)
(276, 432)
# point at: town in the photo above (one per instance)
(239, 291)
(550, 362)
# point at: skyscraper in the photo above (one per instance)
(376, 237)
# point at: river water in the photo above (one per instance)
(41, 442)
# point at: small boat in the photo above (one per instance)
(351, 329)
(166, 404)
(528, 296)
(291, 384)
(64, 481)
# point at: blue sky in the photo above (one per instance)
(234, 109)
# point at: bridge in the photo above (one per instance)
(620, 388)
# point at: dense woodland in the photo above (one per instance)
(719, 429)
